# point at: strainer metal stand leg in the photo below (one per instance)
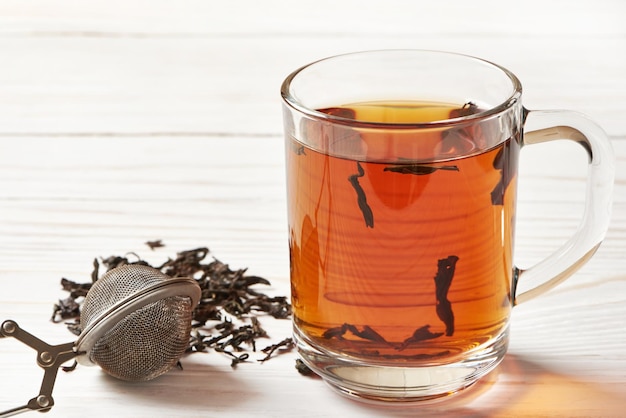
(49, 358)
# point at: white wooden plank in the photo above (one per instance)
(321, 17)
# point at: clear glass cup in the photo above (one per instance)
(401, 183)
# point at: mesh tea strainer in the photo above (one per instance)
(135, 324)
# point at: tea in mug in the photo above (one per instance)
(393, 258)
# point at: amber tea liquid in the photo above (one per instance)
(396, 259)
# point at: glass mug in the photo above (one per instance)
(401, 191)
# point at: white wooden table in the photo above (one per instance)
(127, 121)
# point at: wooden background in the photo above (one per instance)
(124, 121)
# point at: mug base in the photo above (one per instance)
(387, 383)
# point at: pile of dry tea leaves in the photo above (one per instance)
(227, 318)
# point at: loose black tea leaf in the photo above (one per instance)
(118, 261)
(66, 308)
(303, 369)
(76, 290)
(236, 359)
(418, 169)
(155, 244)
(96, 271)
(443, 279)
(74, 327)
(368, 215)
(227, 296)
(286, 344)
(70, 368)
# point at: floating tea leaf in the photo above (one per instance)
(420, 334)
(367, 333)
(419, 169)
(443, 279)
(368, 215)
(467, 109)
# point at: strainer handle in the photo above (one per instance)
(49, 358)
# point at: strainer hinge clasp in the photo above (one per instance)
(49, 358)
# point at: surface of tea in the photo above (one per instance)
(400, 259)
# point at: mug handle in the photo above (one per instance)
(548, 125)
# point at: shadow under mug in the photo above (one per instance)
(401, 190)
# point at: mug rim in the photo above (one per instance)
(484, 113)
